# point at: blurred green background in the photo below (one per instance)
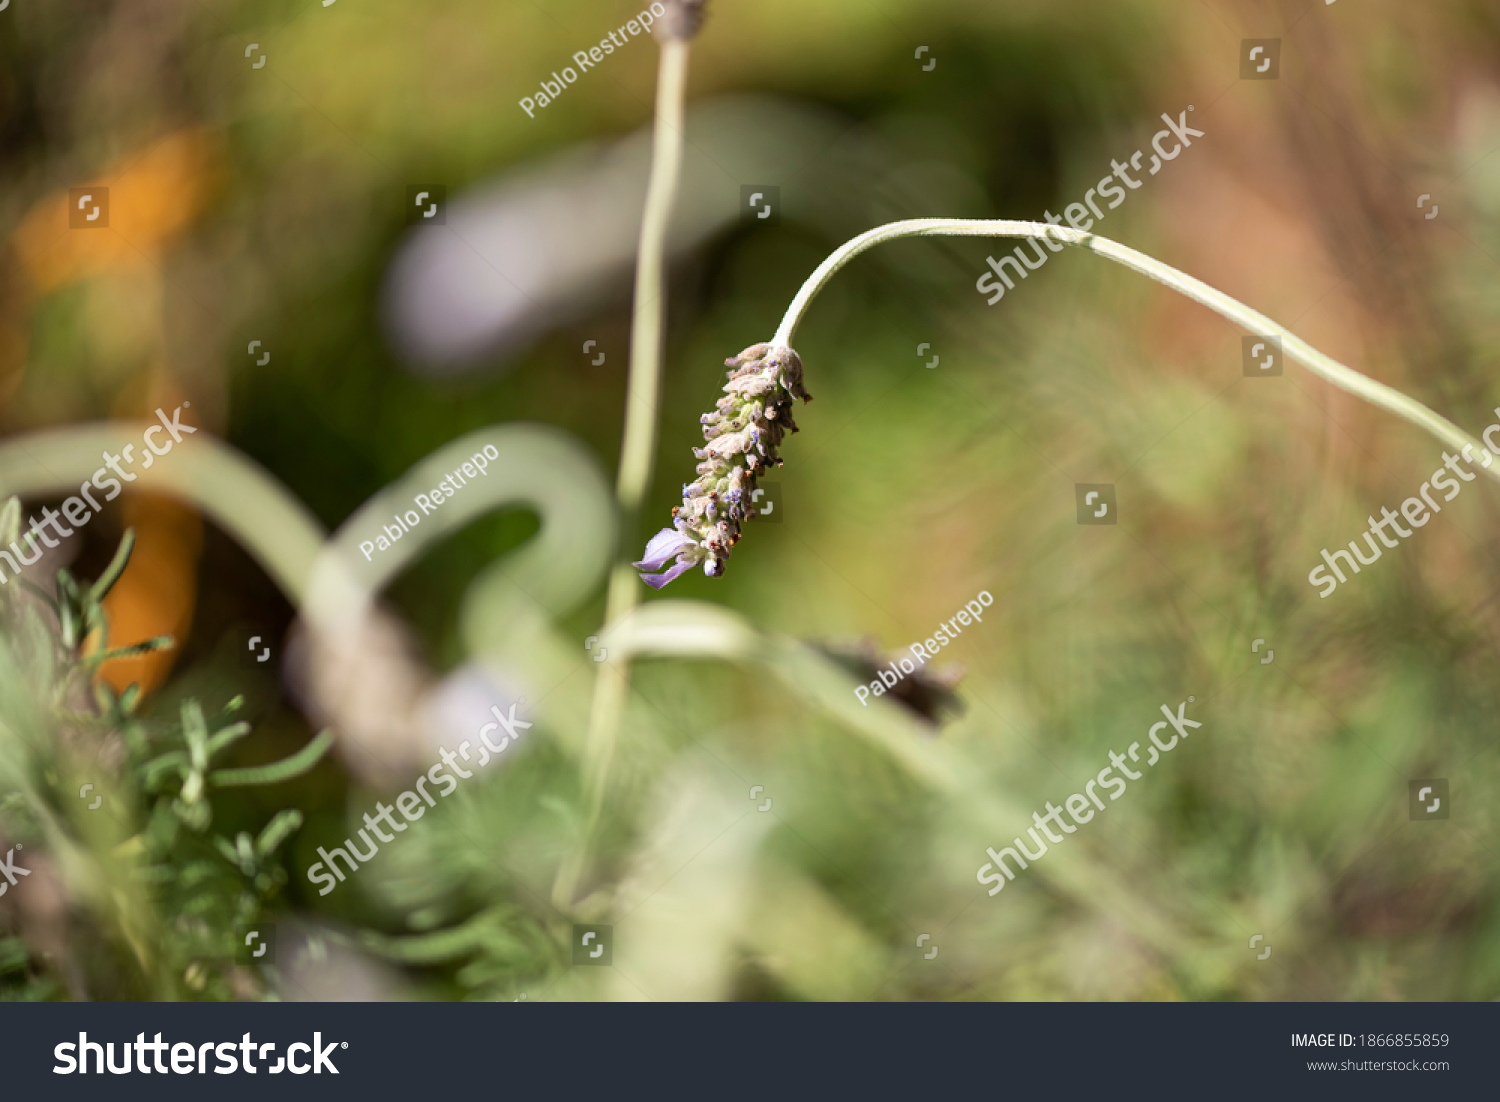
(269, 204)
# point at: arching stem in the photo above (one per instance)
(1295, 348)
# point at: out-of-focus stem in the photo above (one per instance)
(638, 449)
(1325, 367)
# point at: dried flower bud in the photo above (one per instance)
(744, 434)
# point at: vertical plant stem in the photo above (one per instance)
(638, 449)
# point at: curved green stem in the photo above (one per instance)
(228, 487)
(1325, 367)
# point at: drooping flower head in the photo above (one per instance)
(742, 436)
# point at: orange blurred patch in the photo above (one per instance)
(158, 591)
(152, 196)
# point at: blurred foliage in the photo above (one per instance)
(133, 896)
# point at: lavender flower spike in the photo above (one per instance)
(743, 434)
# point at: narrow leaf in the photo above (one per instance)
(155, 769)
(436, 948)
(227, 737)
(195, 733)
(67, 609)
(116, 566)
(283, 770)
(278, 830)
(161, 642)
(224, 846)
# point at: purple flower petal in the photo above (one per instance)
(662, 547)
(656, 581)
